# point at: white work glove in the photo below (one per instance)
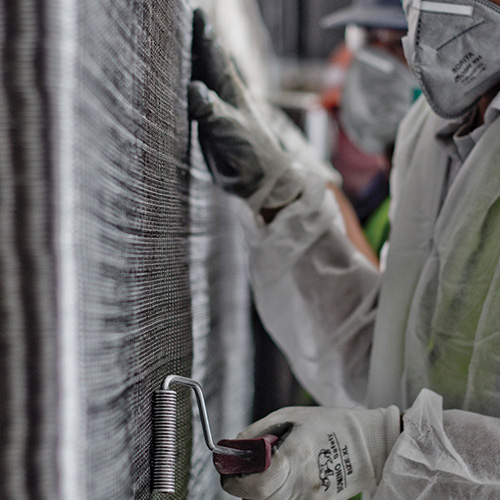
(323, 453)
(244, 156)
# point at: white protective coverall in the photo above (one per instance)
(432, 320)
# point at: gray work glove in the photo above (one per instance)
(243, 155)
(323, 453)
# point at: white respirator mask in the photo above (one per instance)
(453, 49)
(378, 91)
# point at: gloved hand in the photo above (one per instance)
(323, 453)
(243, 154)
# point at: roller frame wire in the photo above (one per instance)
(165, 432)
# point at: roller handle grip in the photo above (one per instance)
(258, 461)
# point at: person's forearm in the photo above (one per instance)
(353, 227)
(446, 454)
(315, 293)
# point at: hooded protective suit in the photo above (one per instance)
(432, 320)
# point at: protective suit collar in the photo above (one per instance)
(455, 136)
(462, 133)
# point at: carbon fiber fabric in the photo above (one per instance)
(223, 343)
(223, 350)
(95, 293)
(28, 336)
(131, 233)
(119, 261)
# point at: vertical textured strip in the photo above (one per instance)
(96, 269)
(13, 426)
(29, 312)
(61, 36)
(221, 326)
(223, 350)
(131, 234)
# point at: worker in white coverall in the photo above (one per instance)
(423, 338)
(377, 92)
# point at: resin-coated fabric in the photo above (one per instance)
(222, 343)
(120, 262)
(28, 302)
(222, 338)
(95, 301)
(131, 186)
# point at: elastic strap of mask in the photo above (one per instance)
(446, 8)
(376, 62)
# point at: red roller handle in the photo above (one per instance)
(258, 461)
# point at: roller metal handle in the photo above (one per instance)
(258, 459)
(165, 433)
(202, 407)
(231, 456)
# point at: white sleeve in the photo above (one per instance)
(316, 295)
(443, 454)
